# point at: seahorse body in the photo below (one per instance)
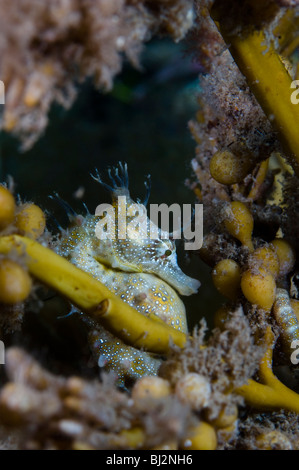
(137, 270)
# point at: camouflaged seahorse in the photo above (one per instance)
(142, 271)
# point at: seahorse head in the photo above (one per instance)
(143, 247)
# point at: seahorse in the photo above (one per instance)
(142, 271)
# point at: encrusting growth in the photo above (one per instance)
(246, 168)
(59, 45)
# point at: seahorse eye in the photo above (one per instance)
(167, 253)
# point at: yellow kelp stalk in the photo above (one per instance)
(267, 78)
(269, 393)
(93, 298)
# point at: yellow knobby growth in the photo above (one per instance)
(259, 288)
(226, 418)
(201, 437)
(269, 81)
(134, 437)
(92, 297)
(285, 254)
(227, 167)
(193, 389)
(269, 393)
(7, 207)
(15, 282)
(226, 276)
(239, 223)
(150, 387)
(30, 220)
(266, 258)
